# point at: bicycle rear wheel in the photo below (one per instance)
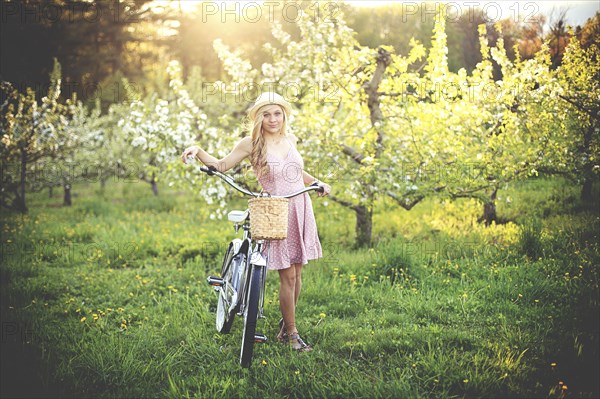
(225, 318)
(251, 316)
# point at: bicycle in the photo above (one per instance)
(241, 285)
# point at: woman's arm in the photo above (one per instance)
(241, 151)
(308, 180)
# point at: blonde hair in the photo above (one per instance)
(258, 156)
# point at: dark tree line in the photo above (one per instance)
(91, 40)
(99, 43)
(396, 24)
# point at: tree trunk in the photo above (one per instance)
(50, 191)
(364, 222)
(102, 184)
(364, 215)
(67, 196)
(489, 210)
(588, 172)
(586, 190)
(384, 59)
(489, 213)
(20, 198)
(154, 186)
(364, 226)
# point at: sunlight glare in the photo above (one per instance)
(191, 5)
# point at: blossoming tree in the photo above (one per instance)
(34, 132)
(161, 128)
(380, 124)
(579, 79)
(375, 123)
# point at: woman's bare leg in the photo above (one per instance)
(298, 287)
(287, 297)
(289, 293)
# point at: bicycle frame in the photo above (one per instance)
(252, 253)
(240, 286)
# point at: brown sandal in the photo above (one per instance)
(282, 337)
(304, 347)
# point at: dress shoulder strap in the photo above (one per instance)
(290, 141)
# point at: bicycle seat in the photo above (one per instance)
(238, 216)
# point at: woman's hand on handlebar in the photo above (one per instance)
(326, 189)
(190, 152)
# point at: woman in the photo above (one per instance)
(280, 171)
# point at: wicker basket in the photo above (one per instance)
(268, 218)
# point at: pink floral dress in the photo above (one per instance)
(302, 243)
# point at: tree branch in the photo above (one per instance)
(404, 202)
(344, 203)
(575, 104)
(473, 193)
(352, 153)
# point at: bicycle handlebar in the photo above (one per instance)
(212, 171)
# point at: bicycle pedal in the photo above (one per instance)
(260, 338)
(215, 281)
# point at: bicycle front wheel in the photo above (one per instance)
(251, 316)
(224, 316)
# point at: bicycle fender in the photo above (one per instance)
(257, 259)
(236, 244)
(245, 247)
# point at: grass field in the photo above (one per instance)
(108, 298)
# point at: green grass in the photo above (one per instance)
(112, 298)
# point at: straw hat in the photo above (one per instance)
(268, 98)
